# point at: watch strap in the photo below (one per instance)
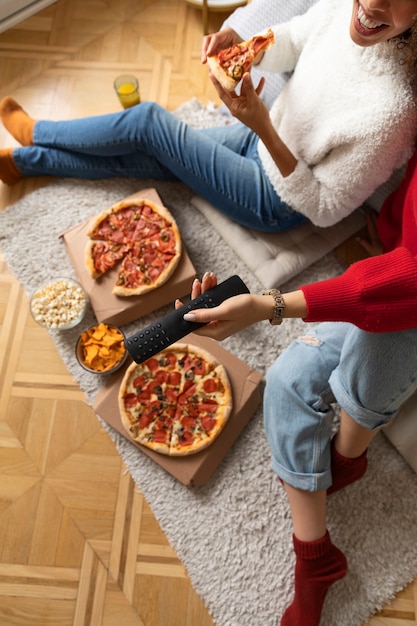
(279, 306)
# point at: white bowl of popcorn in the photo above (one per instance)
(59, 304)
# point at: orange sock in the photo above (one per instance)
(17, 121)
(9, 173)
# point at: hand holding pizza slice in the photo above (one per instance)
(229, 65)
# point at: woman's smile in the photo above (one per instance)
(374, 21)
(366, 23)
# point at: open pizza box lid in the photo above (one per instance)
(195, 469)
(117, 310)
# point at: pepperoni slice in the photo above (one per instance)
(186, 439)
(210, 385)
(130, 399)
(188, 422)
(161, 376)
(174, 378)
(139, 382)
(199, 367)
(160, 436)
(184, 397)
(208, 423)
(209, 406)
(144, 420)
(143, 396)
(171, 394)
(152, 364)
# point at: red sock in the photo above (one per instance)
(318, 565)
(346, 471)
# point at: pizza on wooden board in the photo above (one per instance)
(177, 402)
(229, 65)
(138, 237)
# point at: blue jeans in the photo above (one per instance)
(369, 375)
(147, 141)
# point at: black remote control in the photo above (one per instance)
(173, 326)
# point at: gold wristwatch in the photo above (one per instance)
(279, 306)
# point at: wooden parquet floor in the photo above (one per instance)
(78, 543)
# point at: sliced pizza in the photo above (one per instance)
(140, 239)
(102, 256)
(177, 402)
(229, 65)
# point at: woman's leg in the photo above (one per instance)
(299, 407)
(349, 453)
(299, 423)
(318, 562)
(146, 141)
(370, 375)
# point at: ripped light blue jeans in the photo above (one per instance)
(147, 141)
(369, 375)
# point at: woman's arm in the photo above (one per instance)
(241, 311)
(378, 294)
(249, 109)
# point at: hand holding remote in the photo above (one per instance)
(172, 327)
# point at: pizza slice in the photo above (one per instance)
(229, 65)
(102, 256)
(115, 223)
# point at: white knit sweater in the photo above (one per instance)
(347, 113)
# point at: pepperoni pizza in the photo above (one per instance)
(177, 402)
(138, 237)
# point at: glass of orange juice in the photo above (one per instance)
(127, 89)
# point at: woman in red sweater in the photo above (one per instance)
(363, 356)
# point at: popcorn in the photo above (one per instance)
(58, 304)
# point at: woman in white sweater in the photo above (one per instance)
(345, 120)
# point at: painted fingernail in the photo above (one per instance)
(189, 317)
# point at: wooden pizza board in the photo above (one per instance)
(118, 310)
(195, 469)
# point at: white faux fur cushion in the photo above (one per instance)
(275, 258)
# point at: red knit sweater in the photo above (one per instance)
(378, 294)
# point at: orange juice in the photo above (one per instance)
(127, 91)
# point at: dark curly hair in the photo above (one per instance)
(408, 43)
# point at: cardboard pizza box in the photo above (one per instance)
(122, 310)
(195, 469)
